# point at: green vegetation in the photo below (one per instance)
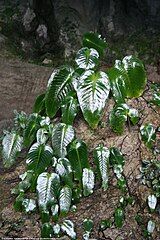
(58, 170)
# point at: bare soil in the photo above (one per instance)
(20, 83)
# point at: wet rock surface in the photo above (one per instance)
(20, 83)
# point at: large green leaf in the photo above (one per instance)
(39, 105)
(118, 85)
(39, 157)
(101, 156)
(78, 157)
(64, 169)
(94, 40)
(58, 89)
(148, 134)
(62, 135)
(128, 79)
(48, 186)
(68, 227)
(31, 128)
(69, 110)
(87, 58)
(12, 145)
(65, 200)
(92, 93)
(88, 181)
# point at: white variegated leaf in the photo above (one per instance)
(39, 157)
(68, 228)
(101, 155)
(12, 145)
(92, 93)
(150, 226)
(88, 181)
(152, 201)
(62, 135)
(87, 58)
(65, 200)
(41, 135)
(47, 188)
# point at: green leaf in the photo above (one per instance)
(65, 200)
(47, 230)
(25, 184)
(62, 135)
(29, 205)
(119, 217)
(88, 181)
(68, 228)
(156, 99)
(148, 135)
(131, 75)
(31, 128)
(18, 202)
(118, 117)
(88, 226)
(45, 215)
(104, 224)
(42, 136)
(133, 115)
(64, 170)
(92, 92)
(78, 157)
(94, 40)
(12, 145)
(54, 211)
(58, 89)
(101, 156)
(116, 157)
(39, 157)
(48, 186)
(69, 110)
(20, 120)
(39, 105)
(76, 194)
(118, 85)
(87, 58)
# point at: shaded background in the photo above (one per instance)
(55, 26)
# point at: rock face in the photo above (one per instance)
(56, 26)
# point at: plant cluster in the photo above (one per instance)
(58, 171)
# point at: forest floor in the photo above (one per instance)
(20, 83)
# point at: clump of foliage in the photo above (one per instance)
(58, 171)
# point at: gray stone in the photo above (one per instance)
(28, 19)
(47, 61)
(42, 31)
